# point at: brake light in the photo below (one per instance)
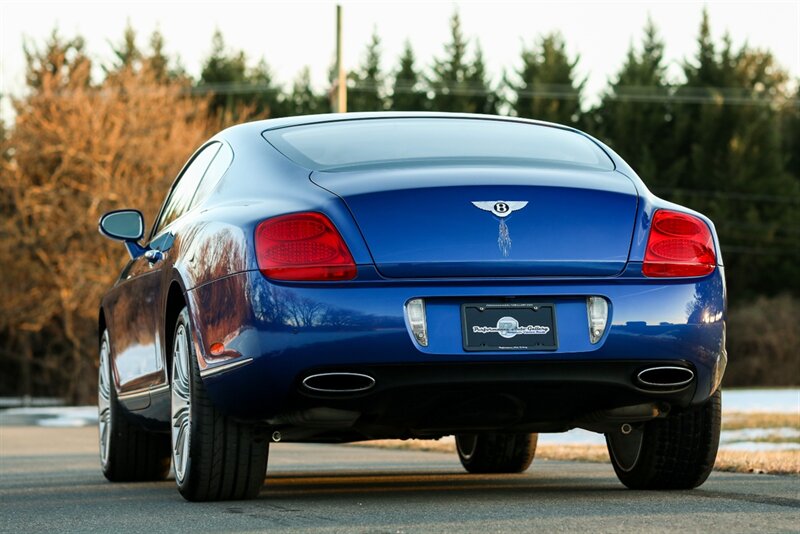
(302, 247)
(679, 245)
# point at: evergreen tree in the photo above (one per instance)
(791, 136)
(407, 95)
(727, 163)
(481, 98)
(459, 84)
(303, 100)
(237, 88)
(223, 72)
(634, 114)
(547, 87)
(365, 91)
(268, 99)
(449, 79)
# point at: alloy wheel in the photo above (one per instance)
(104, 400)
(181, 402)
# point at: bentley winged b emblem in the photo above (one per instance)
(501, 209)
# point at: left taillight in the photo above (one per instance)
(302, 247)
(679, 245)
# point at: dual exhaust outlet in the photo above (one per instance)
(665, 377)
(338, 382)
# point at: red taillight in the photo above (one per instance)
(303, 247)
(678, 245)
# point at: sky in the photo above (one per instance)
(291, 35)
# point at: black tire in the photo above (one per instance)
(677, 452)
(496, 453)
(226, 460)
(131, 453)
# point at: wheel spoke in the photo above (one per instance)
(181, 401)
(104, 399)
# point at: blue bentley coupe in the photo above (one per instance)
(338, 278)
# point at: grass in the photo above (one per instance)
(772, 462)
(742, 420)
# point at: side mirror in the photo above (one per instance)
(122, 225)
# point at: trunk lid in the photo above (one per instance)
(472, 221)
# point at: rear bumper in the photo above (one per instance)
(291, 332)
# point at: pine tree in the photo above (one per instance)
(223, 71)
(449, 79)
(268, 97)
(481, 99)
(726, 147)
(238, 88)
(407, 95)
(303, 100)
(548, 88)
(366, 91)
(634, 114)
(791, 135)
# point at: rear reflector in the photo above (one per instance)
(679, 245)
(415, 312)
(597, 310)
(303, 247)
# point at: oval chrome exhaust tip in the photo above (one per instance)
(338, 382)
(665, 377)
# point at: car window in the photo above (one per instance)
(344, 144)
(182, 192)
(213, 175)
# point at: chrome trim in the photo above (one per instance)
(211, 371)
(160, 389)
(666, 384)
(326, 390)
(142, 392)
(134, 394)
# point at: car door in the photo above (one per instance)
(135, 305)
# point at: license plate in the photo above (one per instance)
(509, 327)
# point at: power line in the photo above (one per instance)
(721, 96)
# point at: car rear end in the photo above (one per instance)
(479, 292)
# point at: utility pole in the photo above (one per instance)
(339, 96)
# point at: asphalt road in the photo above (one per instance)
(50, 481)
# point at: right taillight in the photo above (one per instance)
(303, 247)
(679, 245)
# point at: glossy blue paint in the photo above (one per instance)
(420, 222)
(413, 233)
(296, 329)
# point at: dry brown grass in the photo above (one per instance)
(772, 462)
(740, 420)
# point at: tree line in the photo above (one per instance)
(722, 138)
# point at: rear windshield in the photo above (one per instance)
(345, 144)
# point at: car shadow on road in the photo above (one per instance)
(371, 485)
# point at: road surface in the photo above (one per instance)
(50, 481)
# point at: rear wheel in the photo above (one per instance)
(215, 458)
(127, 451)
(496, 453)
(677, 452)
